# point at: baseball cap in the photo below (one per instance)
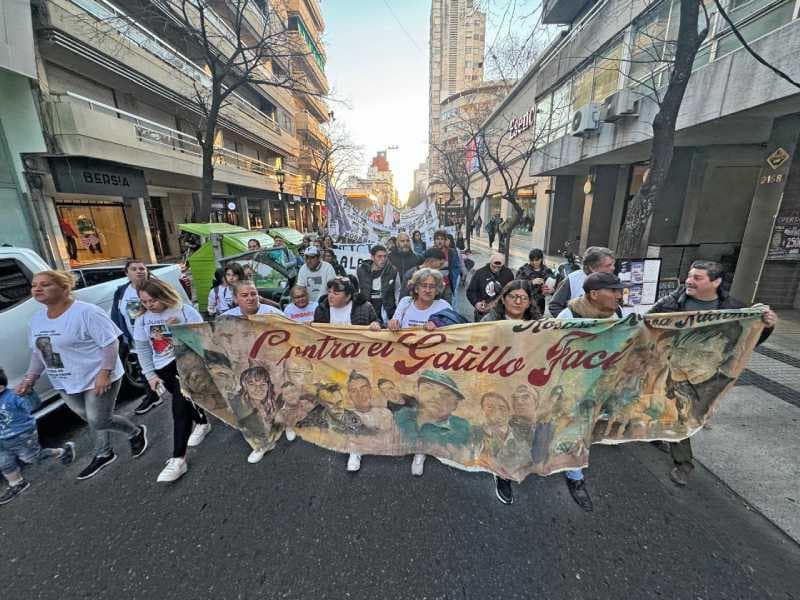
(441, 379)
(311, 251)
(602, 281)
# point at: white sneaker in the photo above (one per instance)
(418, 464)
(175, 469)
(354, 463)
(290, 434)
(256, 455)
(199, 433)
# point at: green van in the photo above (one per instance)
(215, 243)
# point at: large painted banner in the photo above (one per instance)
(513, 398)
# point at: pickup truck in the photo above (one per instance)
(95, 285)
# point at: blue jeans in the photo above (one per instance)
(98, 412)
(574, 474)
(24, 449)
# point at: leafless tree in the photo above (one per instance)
(634, 234)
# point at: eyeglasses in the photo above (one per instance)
(518, 298)
(427, 286)
(497, 264)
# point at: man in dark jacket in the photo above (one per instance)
(402, 258)
(702, 292)
(376, 282)
(486, 283)
(125, 307)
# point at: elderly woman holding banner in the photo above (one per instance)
(415, 310)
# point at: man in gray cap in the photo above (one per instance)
(315, 274)
(600, 300)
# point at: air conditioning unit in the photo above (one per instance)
(585, 120)
(618, 106)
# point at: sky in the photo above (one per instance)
(377, 66)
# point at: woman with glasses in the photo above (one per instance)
(517, 302)
(416, 310)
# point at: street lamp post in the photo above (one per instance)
(280, 175)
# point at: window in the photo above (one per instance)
(582, 88)
(757, 27)
(561, 111)
(649, 47)
(606, 77)
(15, 285)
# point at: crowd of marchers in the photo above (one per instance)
(404, 284)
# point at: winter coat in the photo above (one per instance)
(388, 281)
(127, 336)
(676, 302)
(362, 312)
(403, 261)
(481, 280)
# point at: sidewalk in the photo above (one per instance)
(752, 444)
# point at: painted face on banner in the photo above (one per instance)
(437, 402)
(496, 411)
(360, 392)
(695, 360)
(525, 401)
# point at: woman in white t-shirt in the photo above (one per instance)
(415, 311)
(221, 297)
(77, 345)
(154, 345)
(301, 309)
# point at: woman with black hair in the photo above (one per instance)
(537, 273)
(221, 297)
(329, 256)
(418, 244)
(517, 302)
(343, 306)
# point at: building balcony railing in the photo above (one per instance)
(137, 34)
(128, 132)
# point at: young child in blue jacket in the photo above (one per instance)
(19, 440)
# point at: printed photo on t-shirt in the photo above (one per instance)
(52, 360)
(161, 340)
(133, 308)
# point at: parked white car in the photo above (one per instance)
(95, 285)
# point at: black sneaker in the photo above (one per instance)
(150, 401)
(98, 462)
(579, 493)
(139, 442)
(69, 454)
(13, 491)
(502, 488)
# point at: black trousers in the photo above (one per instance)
(184, 413)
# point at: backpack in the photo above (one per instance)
(446, 317)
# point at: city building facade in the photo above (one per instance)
(376, 189)
(733, 191)
(122, 165)
(457, 44)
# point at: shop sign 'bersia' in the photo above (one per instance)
(511, 398)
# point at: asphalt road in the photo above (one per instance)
(298, 526)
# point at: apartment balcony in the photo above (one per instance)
(305, 122)
(95, 38)
(84, 127)
(308, 55)
(305, 10)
